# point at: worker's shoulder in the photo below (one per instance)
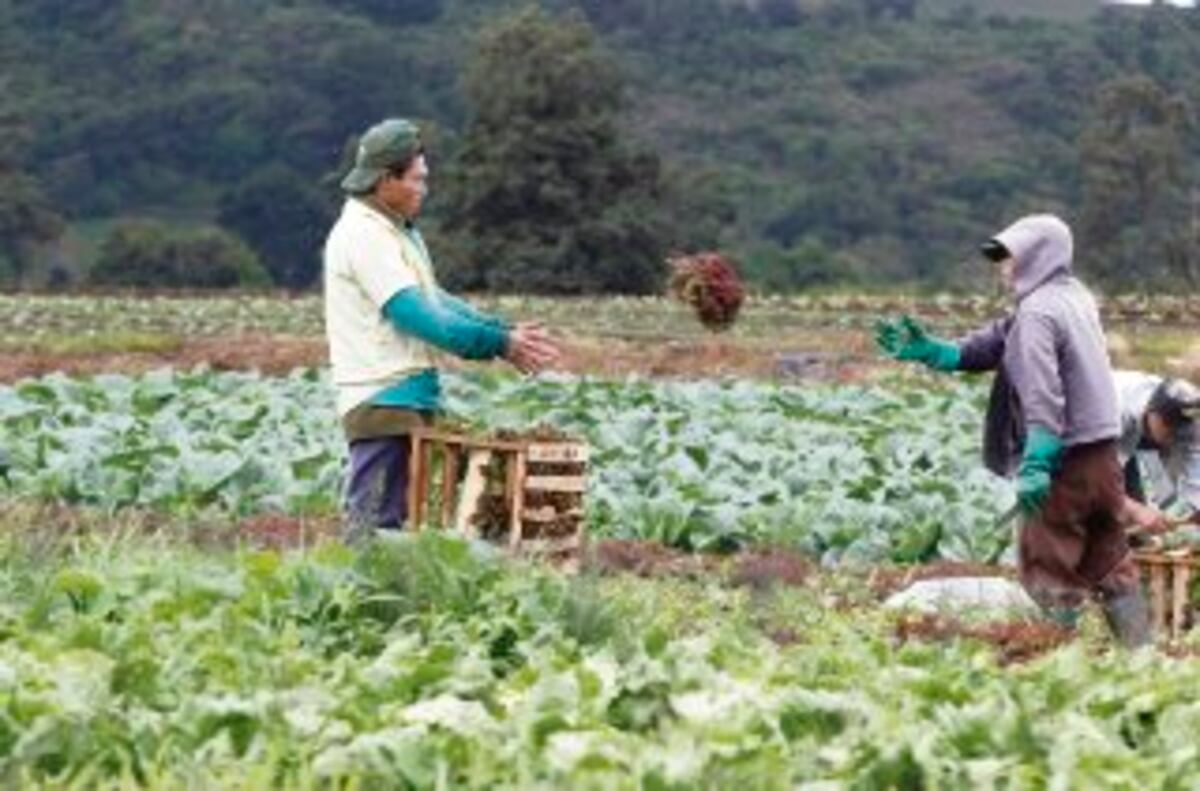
(1060, 299)
(357, 217)
(355, 230)
(1129, 381)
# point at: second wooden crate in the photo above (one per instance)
(1168, 577)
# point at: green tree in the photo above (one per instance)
(1138, 186)
(283, 218)
(546, 193)
(154, 254)
(27, 216)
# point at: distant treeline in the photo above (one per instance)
(575, 143)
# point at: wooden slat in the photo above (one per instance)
(1172, 558)
(561, 452)
(425, 483)
(450, 456)
(548, 514)
(415, 474)
(515, 496)
(1158, 597)
(555, 448)
(473, 488)
(1179, 599)
(468, 441)
(556, 483)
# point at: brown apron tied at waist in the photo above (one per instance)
(1075, 546)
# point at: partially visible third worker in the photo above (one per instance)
(1160, 449)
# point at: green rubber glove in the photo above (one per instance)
(907, 340)
(1043, 451)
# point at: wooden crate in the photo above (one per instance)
(530, 472)
(1168, 577)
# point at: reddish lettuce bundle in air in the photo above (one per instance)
(710, 284)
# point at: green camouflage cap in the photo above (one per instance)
(388, 143)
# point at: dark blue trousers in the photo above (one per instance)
(377, 485)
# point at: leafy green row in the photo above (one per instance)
(427, 663)
(175, 441)
(845, 473)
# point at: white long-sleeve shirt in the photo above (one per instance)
(1168, 477)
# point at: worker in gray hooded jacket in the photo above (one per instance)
(1052, 422)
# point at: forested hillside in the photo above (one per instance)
(864, 141)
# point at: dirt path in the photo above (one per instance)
(1014, 641)
(805, 357)
(271, 354)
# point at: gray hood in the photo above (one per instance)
(1042, 247)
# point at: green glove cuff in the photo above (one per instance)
(942, 356)
(1043, 450)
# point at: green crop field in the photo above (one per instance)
(428, 664)
(178, 607)
(834, 471)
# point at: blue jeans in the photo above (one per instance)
(377, 486)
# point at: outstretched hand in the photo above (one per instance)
(531, 348)
(905, 339)
(901, 339)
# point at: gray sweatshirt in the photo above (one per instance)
(1050, 353)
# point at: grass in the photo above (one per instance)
(112, 342)
(1165, 350)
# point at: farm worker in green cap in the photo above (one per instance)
(1052, 422)
(1160, 449)
(386, 318)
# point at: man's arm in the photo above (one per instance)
(412, 312)
(1145, 518)
(983, 349)
(469, 311)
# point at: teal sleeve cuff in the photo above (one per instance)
(413, 312)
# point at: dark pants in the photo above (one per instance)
(1133, 480)
(377, 486)
(1075, 547)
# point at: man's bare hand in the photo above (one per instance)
(531, 348)
(1146, 518)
